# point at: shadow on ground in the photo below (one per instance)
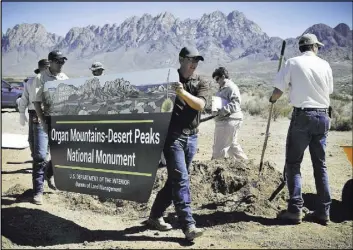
(8, 111)
(18, 162)
(338, 213)
(33, 227)
(25, 196)
(20, 171)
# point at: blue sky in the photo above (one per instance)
(283, 19)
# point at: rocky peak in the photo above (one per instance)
(344, 30)
(329, 36)
(29, 36)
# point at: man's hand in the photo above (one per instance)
(45, 126)
(272, 101)
(276, 94)
(23, 119)
(178, 87)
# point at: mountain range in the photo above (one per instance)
(148, 42)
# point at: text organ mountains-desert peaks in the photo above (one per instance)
(148, 42)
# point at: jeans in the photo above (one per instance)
(179, 151)
(30, 132)
(307, 128)
(41, 165)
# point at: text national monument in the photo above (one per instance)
(107, 133)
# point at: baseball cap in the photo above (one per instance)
(42, 63)
(190, 52)
(56, 54)
(309, 39)
(96, 65)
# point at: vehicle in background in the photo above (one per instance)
(18, 85)
(10, 95)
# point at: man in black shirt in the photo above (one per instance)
(181, 146)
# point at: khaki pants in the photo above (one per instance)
(225, 140)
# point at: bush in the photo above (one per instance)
(344, 124)
(282, 108)
(254, 107)
(341, 115)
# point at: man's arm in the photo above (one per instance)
(234, 103)
(281, 82)
(24, 101)
(38, 100)
(193, 101)
(197, 102)
(330, 81)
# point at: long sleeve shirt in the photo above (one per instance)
(230, 92)
(28, 96)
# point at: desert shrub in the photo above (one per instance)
(255, 107)
(341, 115)
(282, 108)
(342, 124)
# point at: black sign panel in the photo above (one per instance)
(107, 134)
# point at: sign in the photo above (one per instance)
(107, 133)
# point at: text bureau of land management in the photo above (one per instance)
(135, 136)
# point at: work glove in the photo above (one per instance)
(23, 119)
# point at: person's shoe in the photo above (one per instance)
(38, 199)
(159, 224)
(51, 183)
(319, 218)
(294, 218)
(193, 232)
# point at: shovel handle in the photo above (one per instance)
(271, 109)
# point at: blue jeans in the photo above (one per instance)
(41, 166)
(30, 132)
(307, 128)
(179, 151)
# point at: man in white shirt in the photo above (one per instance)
(310, 83)
(26, 102)
(43, 167)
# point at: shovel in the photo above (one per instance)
(269, 119)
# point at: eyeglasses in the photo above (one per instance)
(216, 78)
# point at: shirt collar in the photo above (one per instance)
(227, 83)
(309, 53)
(47, 71)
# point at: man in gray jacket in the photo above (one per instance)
(229, 118)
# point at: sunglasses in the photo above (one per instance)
(318, 47)
(216, 78)
(192, 59)
(59, 61)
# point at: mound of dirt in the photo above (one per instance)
(221, 185)
(228, 185)
(16, 190)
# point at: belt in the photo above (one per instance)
(311, 109)
(31, 111)
(186, 131)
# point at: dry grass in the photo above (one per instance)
(255, 103)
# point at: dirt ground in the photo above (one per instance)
(228, 202)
